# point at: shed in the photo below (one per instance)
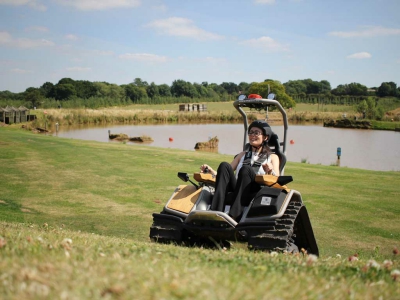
(15, 115)
(7, 115)
(24, 112)
(192, 107)
(2, 115)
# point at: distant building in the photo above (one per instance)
(192, 107)
(11, 115)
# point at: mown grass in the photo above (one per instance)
(75, 218)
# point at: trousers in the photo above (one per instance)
(237, 193)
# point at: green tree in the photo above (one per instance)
(275, 87)
(164, 90)
(201, 90)
(362, 107)
(135, 93)
(295, 87)
(340, 90)
(181, 88)
(230, 87)
(357, 89)
(371, 108)
(105, 89)
(64, 91)
(152, 90)
(139, 82)
(47, 90)
(66, 81)
(12, 96)
(33, 96)
(218, 89)
(388, 89)
(243, 87)
(325, 87)
(85, 89)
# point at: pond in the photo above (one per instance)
(314, 144)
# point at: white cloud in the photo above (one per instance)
(102, 52)
(79, 69)
(20, 71)
(29, 43)
(71, 37)
(5, 37)
(213, 60)
(14, 2)
(183, 27)
(37, 28)
(145, 57)
(359, 55)
(265, 43)
(99, 4)
(264, 1)
(161, 7)
(367, 31)
(32, 3)
(8, 40)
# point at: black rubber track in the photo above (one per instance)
(166, 229)
(279, 238)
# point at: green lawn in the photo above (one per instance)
(75, 218)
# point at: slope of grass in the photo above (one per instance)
(75, 218)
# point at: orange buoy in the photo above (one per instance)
(171, 139)
(292, 142)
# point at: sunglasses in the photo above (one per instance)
(255, 133)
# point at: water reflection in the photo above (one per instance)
(364, 149)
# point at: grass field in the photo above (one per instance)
(75, 218)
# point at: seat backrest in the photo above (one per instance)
(273, 143)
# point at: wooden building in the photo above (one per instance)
(11, 115)
(192, 107)
(24, 113)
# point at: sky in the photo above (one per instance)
(116, 41)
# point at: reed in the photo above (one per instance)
(133, 116)
(218, 112)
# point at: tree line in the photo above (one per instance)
(82, 93)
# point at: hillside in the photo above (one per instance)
(75, 218)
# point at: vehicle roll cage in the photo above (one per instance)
(260, 104)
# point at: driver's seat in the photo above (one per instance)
(275, 146)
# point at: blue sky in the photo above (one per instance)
(116, 41)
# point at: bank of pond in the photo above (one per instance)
(49, 118)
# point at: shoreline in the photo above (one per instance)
(67, 117)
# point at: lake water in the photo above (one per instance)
(363, 149)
